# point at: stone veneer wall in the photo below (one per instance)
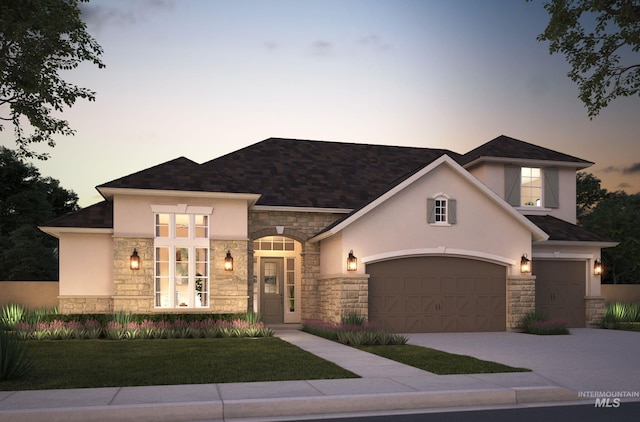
(299, 226)
(594, 310)
(228, 288)
(341, 295)
(134, 289)
(85, 305)
(521, 299)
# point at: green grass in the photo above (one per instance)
(105, 363)
(439, 362)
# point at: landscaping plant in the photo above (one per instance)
(622, 316)
(357, 333)
(15, 360)
(536, 323)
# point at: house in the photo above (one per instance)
(418, 239)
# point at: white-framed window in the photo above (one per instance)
(181, 253)
(441, 210)
(530, 187)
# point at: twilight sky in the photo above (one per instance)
(203, 78)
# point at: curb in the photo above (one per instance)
(290, 407)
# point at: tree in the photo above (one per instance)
(617, 216)
(588, 193)
(38, 40)
(26, 200)
(601, 41)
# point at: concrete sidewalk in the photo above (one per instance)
(385, 386)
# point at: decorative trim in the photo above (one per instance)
(439, 251)
(181, 209)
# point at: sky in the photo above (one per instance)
(203, 78)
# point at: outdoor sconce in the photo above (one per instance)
(525, 264)
(352, 262)
(134, 260)
(597, 267)
(228, 262)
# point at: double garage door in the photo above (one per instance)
(437, 294)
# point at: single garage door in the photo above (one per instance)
(437, 294)
(560, 289)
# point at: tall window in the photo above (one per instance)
(181, 278)
(441, 210)
(530, 187)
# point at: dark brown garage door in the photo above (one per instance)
(560, 289)
(437, 294)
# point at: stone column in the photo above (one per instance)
(594, 310)
(521, 299)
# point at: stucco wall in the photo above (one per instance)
(492, 175)
(400, 225)
(133, 216)
(86, 264)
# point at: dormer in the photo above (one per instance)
(532, 179)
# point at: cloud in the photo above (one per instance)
(609, 169)
(374, 42)
(321, 48)
(121, 14)
(271, 45)
(633, 168)
(624, 185)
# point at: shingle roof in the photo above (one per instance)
(561, 230)
(506, 147)
(319, 174)
(180, 174)
(97, 216)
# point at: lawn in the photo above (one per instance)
(106, 363)
(439, 362)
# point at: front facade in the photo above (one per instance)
(439, 237)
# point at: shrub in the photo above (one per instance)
(536, 323)
(353, 318)
(15, 361)
(362, 334)
(621, 316)
(12, 313)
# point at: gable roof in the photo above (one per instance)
(320, 174)
(562, 231)
(504, 148)
(536, 232)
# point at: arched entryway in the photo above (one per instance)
(276, 281)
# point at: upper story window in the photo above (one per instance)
(530, 187)
(441, 210)
(185, 226)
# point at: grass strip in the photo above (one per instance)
(439, 362)
(105, 363)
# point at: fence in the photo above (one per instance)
(621, 293)
(30, 294)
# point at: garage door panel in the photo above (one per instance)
(454, 295)
(560, 289)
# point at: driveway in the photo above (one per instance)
(587, 360)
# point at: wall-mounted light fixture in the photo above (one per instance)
(597, 267)
(352, 262)
(228, 262)
(525, 264)
(134, 260)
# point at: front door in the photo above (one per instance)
(271, 284)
